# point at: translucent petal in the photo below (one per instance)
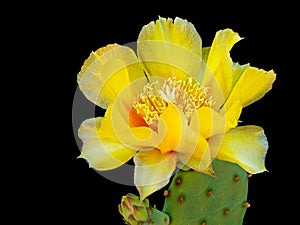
(169, 48)
(253, 84)
(245, 145)
(172, 126)
(107, 71)
(196, 156)
(220, 64)
(103, 155)
(231, 113)
(100, 153)
(153, 171)
(89, 128)
(208, 122)
(118, 126)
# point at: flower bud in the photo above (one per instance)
(133, 210)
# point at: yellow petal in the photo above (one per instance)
(170, 48)
(179, 31)
(107, 131)
(152, 171)
(207, 121)
(106, 72)
(253, 84)
(220, 65)
(101, 154)
(117, 122)
(196, 156)
(171, 127)
(237, 72)
(140, 138)
(89, 128)
(232, 115)
(116, 128)
(245, 145)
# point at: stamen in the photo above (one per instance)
(150, 107)
(177, 95)
(195, 92)
(186, 95)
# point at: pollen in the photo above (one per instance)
(187, 95)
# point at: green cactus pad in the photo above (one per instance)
(156, 217)
(195, 198)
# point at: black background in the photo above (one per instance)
(51, 185)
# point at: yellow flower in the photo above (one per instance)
(173, 105)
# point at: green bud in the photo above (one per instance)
(133, 210)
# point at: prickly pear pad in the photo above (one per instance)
(197, 198)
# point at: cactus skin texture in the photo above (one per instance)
(156, 217)
(195, 198)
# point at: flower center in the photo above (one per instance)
(186, 94)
